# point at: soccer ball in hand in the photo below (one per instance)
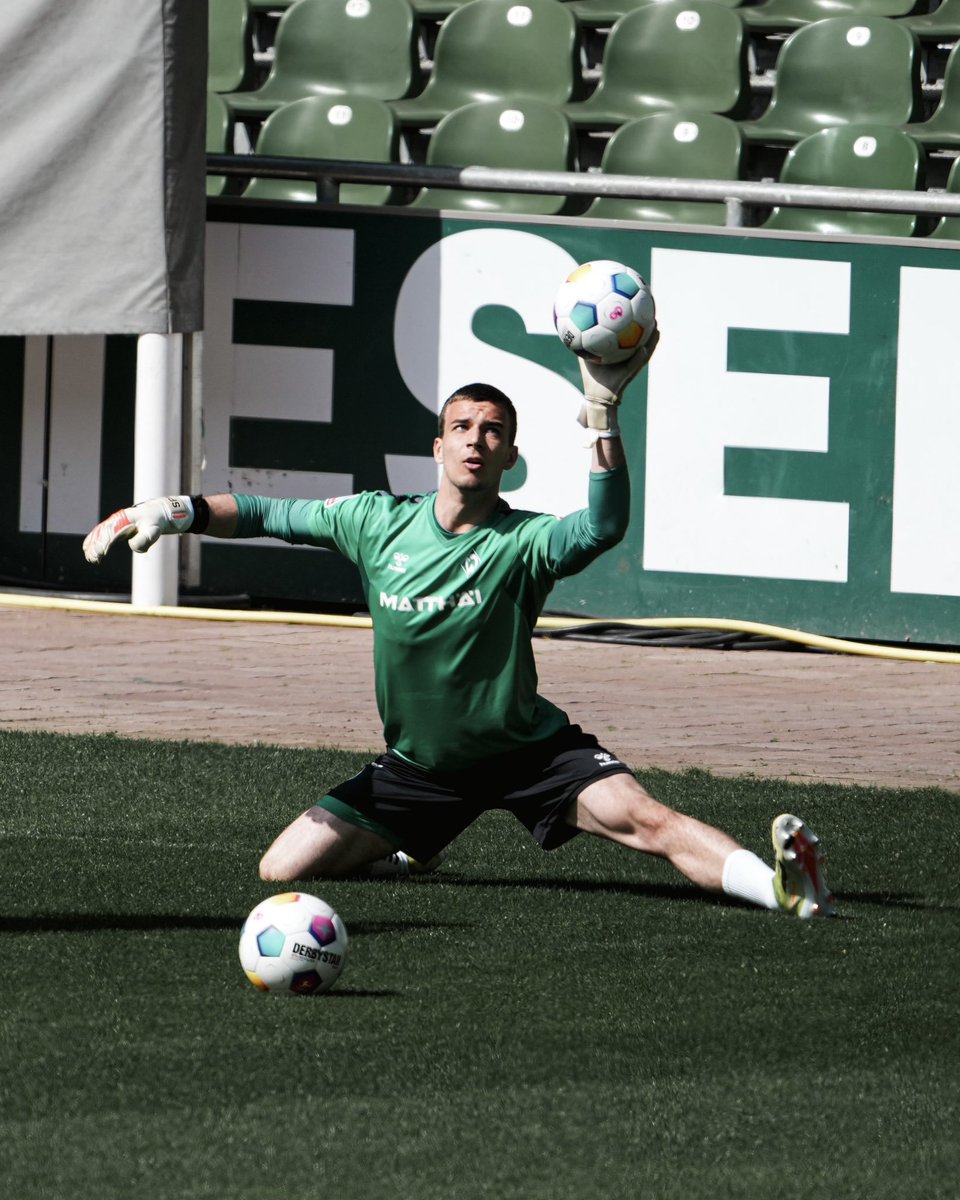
(604, 311)
(293, 943)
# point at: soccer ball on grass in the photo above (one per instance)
(604, 311)
(293, 943)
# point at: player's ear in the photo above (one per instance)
(512, 460)
(437, 450)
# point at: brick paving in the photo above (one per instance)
(767, 713)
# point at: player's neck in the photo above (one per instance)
(459, 512)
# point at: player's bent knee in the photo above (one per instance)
(319, 845)
(270, 872)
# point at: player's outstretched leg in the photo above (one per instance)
(799, 882)
(620, 809)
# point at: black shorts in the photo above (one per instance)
(422, 811)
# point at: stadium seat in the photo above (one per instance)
(336, 47)
(949, 227)
(669, 55)
(438, 9)
(350, 128)
(499, 49)
(219, 138)
(771, 15)
(941, 130)
(680, 145)
(602, 13)
(521, 134)
(230, 45)
(839, 71)
(943, 22)
(856, 156)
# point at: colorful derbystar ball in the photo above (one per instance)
(604, 311)
(293, 943)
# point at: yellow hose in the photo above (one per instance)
(815, 640)
(184, 612)
(545, 624)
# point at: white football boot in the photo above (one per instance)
(799, 882)
(401, 865)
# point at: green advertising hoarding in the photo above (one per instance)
(792, 446)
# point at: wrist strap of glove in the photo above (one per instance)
(201, 514)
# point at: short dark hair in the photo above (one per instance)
(482, 393)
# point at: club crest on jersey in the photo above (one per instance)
(470, 564)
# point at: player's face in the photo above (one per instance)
(475, 448)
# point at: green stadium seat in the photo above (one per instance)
(943, 23)
(499, 50)
(349, 128)
(602, 13)
(669, 55)
(949, 227)
(771, 15)
(680, 145)
(941, 130)
(437, 10)
(839, 71)
(856, 156)
(521, 134)
(219, 138)
(230, 64)
(338, 47)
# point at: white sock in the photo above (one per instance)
(749, 878)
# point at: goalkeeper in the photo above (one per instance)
(455, 581)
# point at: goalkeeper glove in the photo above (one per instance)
(140, 525)
(603, 388)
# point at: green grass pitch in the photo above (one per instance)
(581, 1025)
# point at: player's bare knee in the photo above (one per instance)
(645, 823)
(269, 870)
(650, 820)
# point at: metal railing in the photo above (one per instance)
(738, 196)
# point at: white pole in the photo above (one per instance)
(156, 459)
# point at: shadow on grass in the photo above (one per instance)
(682, 891)
(145, 922)
(348, 993)
(908, 900)
(100, 922)
(611, 887)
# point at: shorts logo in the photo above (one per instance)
(607, 760)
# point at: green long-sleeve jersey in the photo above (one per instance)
(453, 614)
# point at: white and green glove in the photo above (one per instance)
(603, 388)
(140, 525)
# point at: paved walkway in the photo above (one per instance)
(801, 716)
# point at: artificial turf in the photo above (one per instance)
(575, 1025)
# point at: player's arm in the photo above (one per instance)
(578, 538)
(142, 524)
(603, 388)
(226, 515)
